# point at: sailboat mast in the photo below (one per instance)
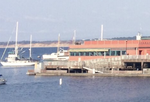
(58, 43)
(16, 46)
(30, 45)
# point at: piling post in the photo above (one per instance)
(82, 69)
(35, 67)
(69, 70)
(112, 69)
(142, 65)
(133, 65)
(93, 71)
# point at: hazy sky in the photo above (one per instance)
(45, 19)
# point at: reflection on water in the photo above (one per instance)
(23, 88)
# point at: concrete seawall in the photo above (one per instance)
(98, 75)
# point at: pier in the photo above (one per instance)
(126, 65)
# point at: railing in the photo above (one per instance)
(115, 62)
(68, 64)
(135, 57)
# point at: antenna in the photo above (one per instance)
(30, 45)
(58, 43)
(74, 37)
(101, 32)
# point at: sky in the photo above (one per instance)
(46, 19)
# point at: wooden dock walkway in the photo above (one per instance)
(107, 65)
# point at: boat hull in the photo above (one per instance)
(55, 59)
(2, 81)
(18, 63)
(61, 55)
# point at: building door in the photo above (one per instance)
(140, 52)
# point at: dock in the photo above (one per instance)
(126, 65)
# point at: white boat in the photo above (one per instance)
(14, 59)
(18, 63)
(2, 80)
(61, 55)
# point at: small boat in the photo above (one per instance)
(2, 80)
(60, 55)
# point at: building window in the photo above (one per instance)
(77, 53)
(118, 53)
(91, 53)
(112, 53)
(107, 53)
(95, 54)
(86, 53)
(81, 53)
(123, 52)
(102, 53)
(71, 54)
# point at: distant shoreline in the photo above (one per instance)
(35, 45)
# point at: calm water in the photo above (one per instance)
(35, 51)
(23, 88)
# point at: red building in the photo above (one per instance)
(108, 48)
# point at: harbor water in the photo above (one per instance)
(23, 88)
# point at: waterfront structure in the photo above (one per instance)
(112, 57)
(127, 65)
(108, 49)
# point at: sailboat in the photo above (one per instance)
(60, 55)
(14, 59)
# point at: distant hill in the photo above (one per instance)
(62, 43)
(34, 42)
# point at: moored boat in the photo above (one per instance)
(2, 80)
(60, 55)
(14, 59)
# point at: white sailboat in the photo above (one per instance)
(14, 59)
(60, 55)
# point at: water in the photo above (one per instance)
(35, 51)
(23, 88)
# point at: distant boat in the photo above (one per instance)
(2, 80)
(60, 55)
(14, 59)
